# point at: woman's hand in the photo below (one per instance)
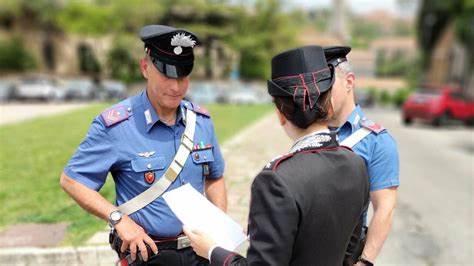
(200, 241)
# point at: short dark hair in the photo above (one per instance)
(292, 112)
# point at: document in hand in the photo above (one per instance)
(196, 212)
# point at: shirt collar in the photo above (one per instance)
(150, 115)
(311, 134)
(314, 139)
(354, 119)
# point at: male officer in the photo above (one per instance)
(305, 205)
(151, 142)
(374, 144)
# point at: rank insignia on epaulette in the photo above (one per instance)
(115, 115)
(149, 177)
(201, 110)
(374, 127)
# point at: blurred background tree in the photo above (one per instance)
(254, 32)
(14, 56)
(446, 37)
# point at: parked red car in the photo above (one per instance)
(438, 106)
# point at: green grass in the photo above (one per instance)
(33, 154)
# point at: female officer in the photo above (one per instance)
(305, 205)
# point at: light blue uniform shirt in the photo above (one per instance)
(378, 150)
(121, 150)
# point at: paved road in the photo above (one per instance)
(434, 217)
(16, 112)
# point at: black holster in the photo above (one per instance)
(116, 243)
(356, 246)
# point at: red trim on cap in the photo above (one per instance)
(294, 76)
(315, 83)
(306, 92)
(168, 53)
(294, 92)
(231, 255)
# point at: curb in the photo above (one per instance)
(70, 256)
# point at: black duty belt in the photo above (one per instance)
(178, 242)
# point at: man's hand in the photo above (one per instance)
(200, 242)
(134, 237)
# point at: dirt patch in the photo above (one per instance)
(33, 235)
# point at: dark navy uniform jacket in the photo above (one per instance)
(129, 141)
(304, 207)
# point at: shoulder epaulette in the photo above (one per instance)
(273, 164)
(196, 108)
(372, 126)
(115, 114)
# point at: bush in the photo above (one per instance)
(373, 92)
(15, 57)
(254, 64)
(400, 96)
(122, 64)
(384, 98)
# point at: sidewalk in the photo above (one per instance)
(17, 112)
(245, 155)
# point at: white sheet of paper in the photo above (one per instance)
(196, 212)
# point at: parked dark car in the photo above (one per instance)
(202, 92)
(438, 106)
(7, 90)
(80, 89)
(111, 89)
(364, 98)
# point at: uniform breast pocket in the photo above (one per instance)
(203, 158)
(151, 168)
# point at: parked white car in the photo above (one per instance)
(38, 88)
(243, 96)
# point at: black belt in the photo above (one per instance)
(177, 243)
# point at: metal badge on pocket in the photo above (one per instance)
(149, 177)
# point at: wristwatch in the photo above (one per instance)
(115, 217)
(366, 262)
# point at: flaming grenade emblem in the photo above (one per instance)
(182, 40)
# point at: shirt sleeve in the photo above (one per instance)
(383, 166)
(93, 158)
(216, 168)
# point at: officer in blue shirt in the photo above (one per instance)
(136, 141)
(374, 144)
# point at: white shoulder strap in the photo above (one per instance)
(356, 137)
(163, 183)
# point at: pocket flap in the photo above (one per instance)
(148, 164)
(203, 156)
